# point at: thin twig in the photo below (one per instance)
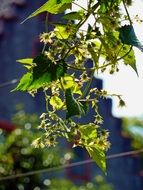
(127, 12)
(79, 6)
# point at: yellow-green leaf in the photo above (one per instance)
(63, 31)
(52, 6)
(56, 102)
(98, 156)
(27, 62)
(129, 59)
(88, 131)
(67, 81)
(24, 82)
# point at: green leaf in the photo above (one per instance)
(64, 31)
(88, 132)
(68, 81)
(52, 6)
(42, 74)
(27, 62)
(89, 135)
(74, 15)
(85, 107)
(103, 8)
(98, 156)
(41, 81)
(24, 82)
(56, 102)
(127, 36)
(76, 89)
(129, 59)
(73, 107)
(46, 71)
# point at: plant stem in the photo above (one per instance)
(125, 54)
(47, 101)
(80, 69)
(89, 12)
(127, 12)
(80, 6)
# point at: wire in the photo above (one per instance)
(66, 166)
(13, 81)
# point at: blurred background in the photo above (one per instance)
(19, 118)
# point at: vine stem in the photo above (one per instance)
(79, 6)
(46, 100)
(125, 54)
(108, 64)
(127, 12)
(80, 69)
(91, 76)
(88, 14)
(93, 99)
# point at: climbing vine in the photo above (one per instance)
(65, 68)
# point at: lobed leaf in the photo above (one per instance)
(73, 107)
(88, 131)
(27, 62)
(129, 59)
(64, 31)
(42, 74)
(24, 82)
(52, 6)
(98, 156)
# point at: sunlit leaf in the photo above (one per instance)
(52, 6)
(98, 156)
(67, 81)
(43, 73)
(41, 81)
(88, 131)
(76, 89)
(129, 59)
(63, 31)
(56, 102)
(89, 135)
(27, 62)
(24, 82)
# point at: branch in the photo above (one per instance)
(127, 12)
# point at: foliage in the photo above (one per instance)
(62, 70)
(133, 128)
(18, 156)
(99, 183)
